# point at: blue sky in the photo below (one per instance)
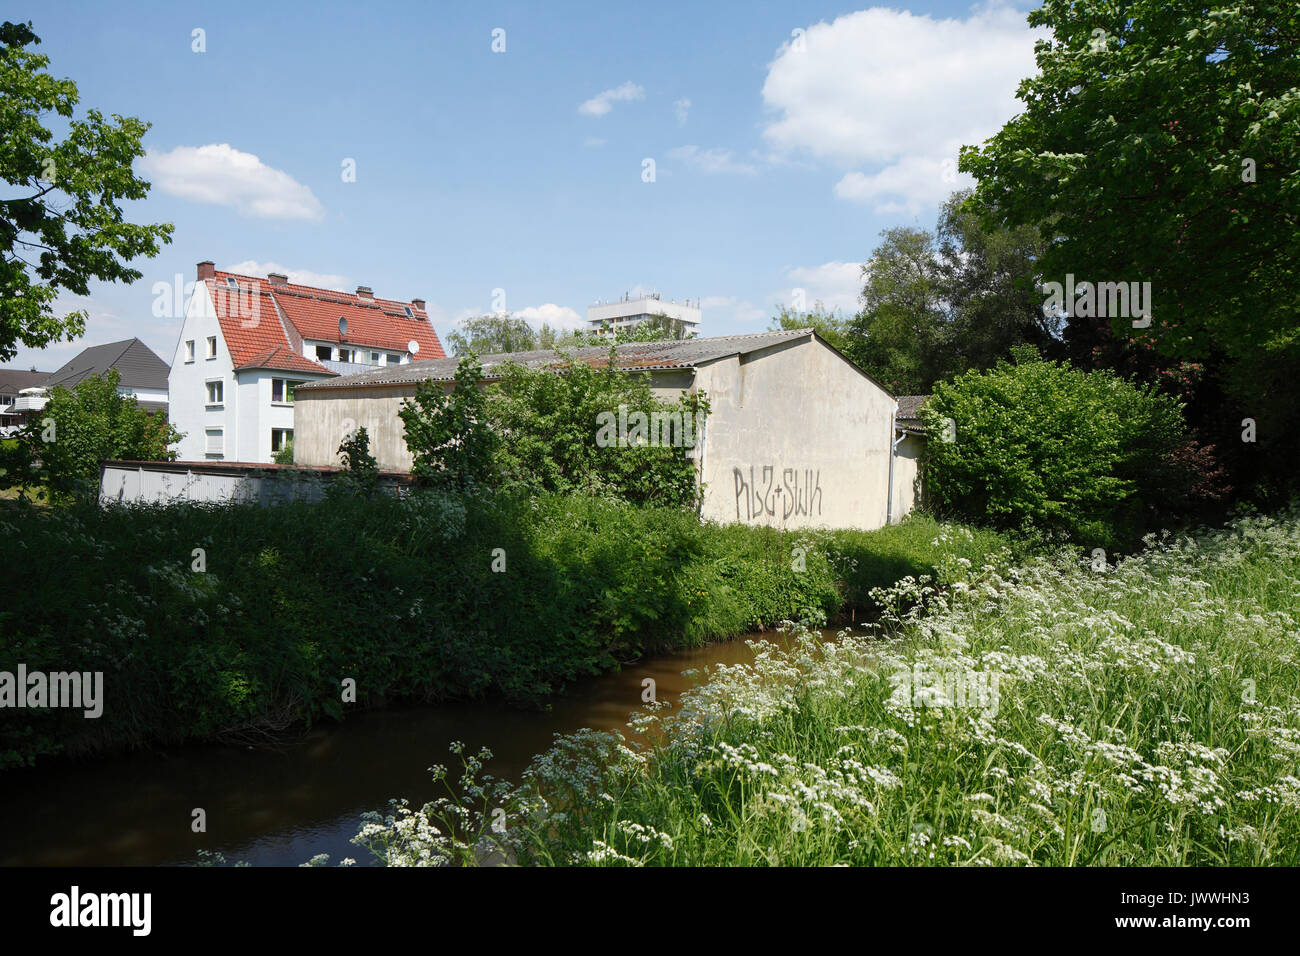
(784, 137)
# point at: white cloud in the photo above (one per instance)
(321, 280)
(556, 316)
(602, 103)
(714, 160)
(682, 108)
(836, 285)
(907, 186)
(224, 176)
(899, 94)
(594, 141)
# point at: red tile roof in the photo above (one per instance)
(282, 359)
(251, 317)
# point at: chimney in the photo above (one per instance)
(277, 278)
(207, 269)
(363, 292)
(417, 304)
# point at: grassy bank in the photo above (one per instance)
(1145, 714)
(418, 600)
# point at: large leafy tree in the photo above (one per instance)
(61, 224)
(1163, 141)
(902, 336)
(935, 304)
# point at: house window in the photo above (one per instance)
(409, 313)
(216, 442)
(280, 437)
(323, 353)
(189, 350)
(216, 392)
(394, 358)
(212, 346)
(374, 358)
(346, 355)
(282, 390)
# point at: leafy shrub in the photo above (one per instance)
(1044, 446)
(451, 442)
(360, 470)
(550, 427)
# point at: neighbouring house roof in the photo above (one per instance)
(13, 380)
(136, 363)
(264, 323)
(631, 357)
(908, 417)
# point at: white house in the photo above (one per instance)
(247, 342)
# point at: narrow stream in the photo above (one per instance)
(280, 808)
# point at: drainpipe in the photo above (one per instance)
(894, 442)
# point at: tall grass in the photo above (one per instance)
(1145, 714)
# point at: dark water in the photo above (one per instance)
(280, 808)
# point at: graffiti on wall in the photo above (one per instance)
(764, 491)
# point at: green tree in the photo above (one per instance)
(1164, 141)
(902, 335)
(573, 429)
(63, 446)
(830, 325)
(989, 278)
(939, 303)
(489, 334)
(63, 224)
(1045, 446)
(451, 441)
(360, 470)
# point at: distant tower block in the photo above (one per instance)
(630, 311)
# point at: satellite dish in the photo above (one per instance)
(343, 325)
(413, 347)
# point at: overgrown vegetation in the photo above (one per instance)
(570, 429)
(1041, 447)
(1141, 714)
(418, 599)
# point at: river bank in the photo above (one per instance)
(241, 624)
(1057, 713)
(280, 807)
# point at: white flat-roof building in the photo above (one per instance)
(631, 311)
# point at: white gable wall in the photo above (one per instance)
(796, 437)
(186, 382)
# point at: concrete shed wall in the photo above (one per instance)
(907, 475)
(323, 417)
(796, 438)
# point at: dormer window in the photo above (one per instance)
(231, 283)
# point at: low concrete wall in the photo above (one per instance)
(164, 482)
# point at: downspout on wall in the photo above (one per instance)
(894, 441)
